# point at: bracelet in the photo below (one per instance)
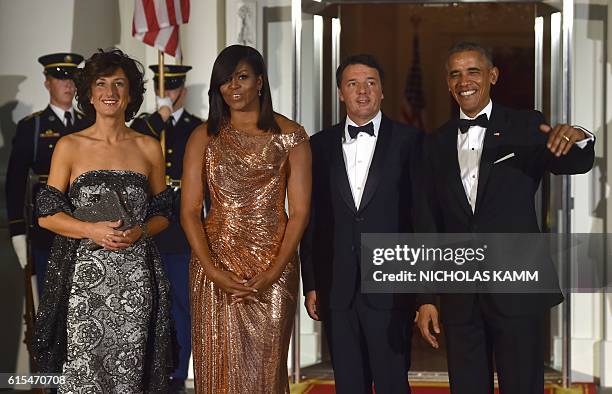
(145, 232)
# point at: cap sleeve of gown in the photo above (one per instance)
(293, 139)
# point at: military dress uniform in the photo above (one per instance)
(30, 156)
(172, 243)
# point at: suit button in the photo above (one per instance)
(359, 219)
(169, 151)
(168, 164)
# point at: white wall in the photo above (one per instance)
(591, 347)
(31, 28)
(17, 19)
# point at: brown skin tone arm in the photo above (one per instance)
(561, 138)
(192, 197)
(299, 185)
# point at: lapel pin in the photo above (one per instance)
(51, 118)
(497, 134)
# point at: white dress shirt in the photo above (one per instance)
(469, 152)
(61, 112)
(358, 154)
(176, 115)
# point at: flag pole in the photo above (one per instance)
(161, 73)
(161, 86)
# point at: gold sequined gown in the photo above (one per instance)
(243, 348)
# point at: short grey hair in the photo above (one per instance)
(465, 46)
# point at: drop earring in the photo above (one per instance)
(259, 92)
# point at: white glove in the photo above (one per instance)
(21, 249)
(163, 102)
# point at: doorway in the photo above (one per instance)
(411, 48)
(531, 45)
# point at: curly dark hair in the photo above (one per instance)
(102, 64)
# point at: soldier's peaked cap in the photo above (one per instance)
(60, 65)
(174, 75)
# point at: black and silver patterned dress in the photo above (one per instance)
(114, 330)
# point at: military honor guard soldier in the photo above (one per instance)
(30, 158)
(172, 126)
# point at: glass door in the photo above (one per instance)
(564, 51)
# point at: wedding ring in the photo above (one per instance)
(566, 138)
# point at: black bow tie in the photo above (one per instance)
(465, 124)
(366, 128)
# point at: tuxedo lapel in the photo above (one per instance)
(339, 177)
(377, 166)
(450, 160)
(490, 150)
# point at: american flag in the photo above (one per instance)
(156, 23)
(414, 99)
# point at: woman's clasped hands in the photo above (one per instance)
(242, 290)
(106, 235)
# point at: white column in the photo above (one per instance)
(606, 343)
(588, 339)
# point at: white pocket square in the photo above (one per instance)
(508, 156)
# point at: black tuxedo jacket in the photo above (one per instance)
(330, 248)
(505, 200)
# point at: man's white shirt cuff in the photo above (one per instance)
(590, 137)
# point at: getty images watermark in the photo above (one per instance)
(457, 255)
(484, 263)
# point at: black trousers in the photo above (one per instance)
(368, 346)
(488, 340)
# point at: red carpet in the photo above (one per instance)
(327, 387)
